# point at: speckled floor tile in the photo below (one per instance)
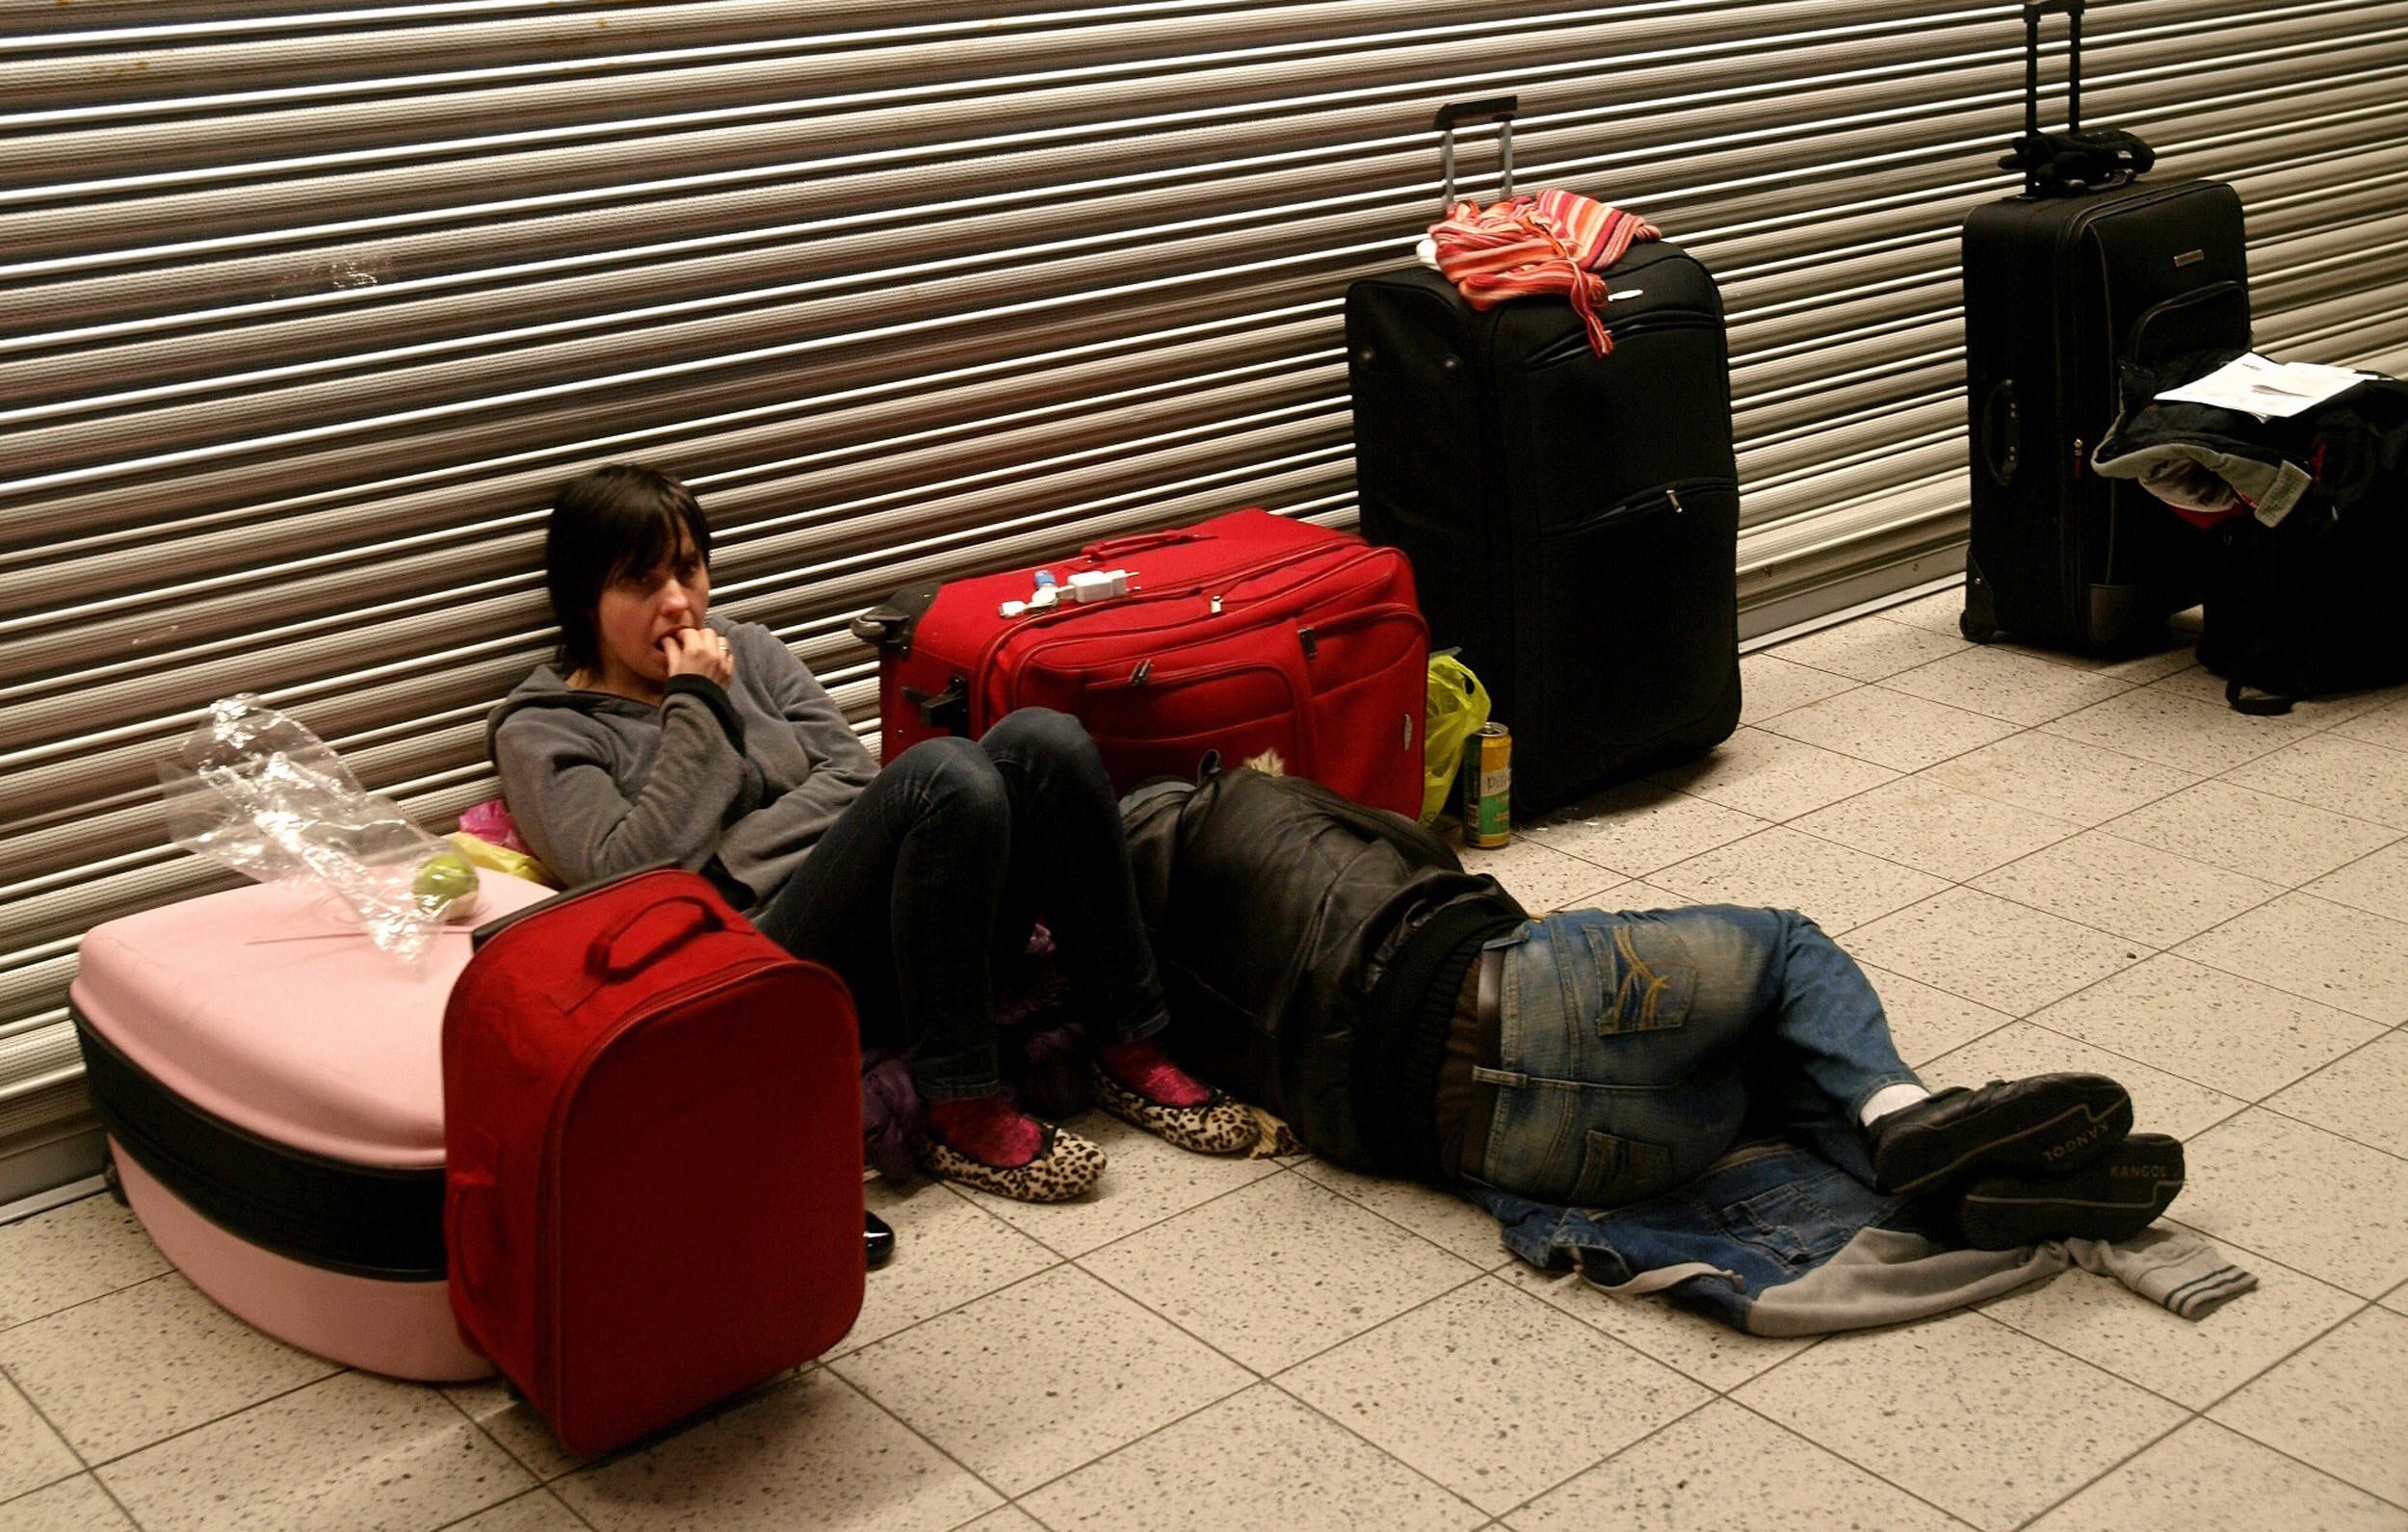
(1724, 1467)
(1539, 875)
(1937, 612)
(1031, 1382)
(2064, 779)
(537, 1511)
(1963, 1412)
(2385, 725)
(2172, 656)
(1261, 1459)
(360, 1453)
(71, 1505)
(2205, 1478)
(30, 1453)
(1935, 828)
(1641, 826)
(2193, 1362)
(2397, 1300)
(80, 1250)
(1006, 1518)
(2234, 1034)
(1445, 1220)
(2324, 1205)
(1146, 1182)
(123, 1371)
(511, 1422)
(1773, 777)
(2347, 776)
(2230, 826)
(811, 1452)
(2126, 888)
(1278, 1272)
(2005, 955)
(2377, 884)
(1869, 648)
(2362, 1095)
(1769, 683)
(2179, 730)
(2001, 684)
(2340, 1404)
(1493, 1393)
(1838, 886)
(2161, 1103)
(1925, 1022)
(1890, 729)
(1714, 1354)
(2309, 947)
(947, 1252)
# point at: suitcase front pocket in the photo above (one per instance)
(1638, 613)
(1155, 719)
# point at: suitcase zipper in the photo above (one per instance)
(1640, 505)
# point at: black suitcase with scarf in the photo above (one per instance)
(2084, 275)
(1572, 519)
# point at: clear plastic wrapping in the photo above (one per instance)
(254, 790)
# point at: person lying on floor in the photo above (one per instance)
(1335, 964)
(663, 734)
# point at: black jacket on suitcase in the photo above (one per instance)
(2065, 288)
(1572, 519)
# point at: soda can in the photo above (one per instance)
(1487, 787)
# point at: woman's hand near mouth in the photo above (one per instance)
(698, 652)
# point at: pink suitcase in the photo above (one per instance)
(273, 1089)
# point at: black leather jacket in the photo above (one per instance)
(1311, 950)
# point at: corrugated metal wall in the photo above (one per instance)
(304, 307)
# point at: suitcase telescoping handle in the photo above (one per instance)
(1498, 109)
(2032, 13)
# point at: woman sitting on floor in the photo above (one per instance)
(663, 734)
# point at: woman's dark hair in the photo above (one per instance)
(619, 519)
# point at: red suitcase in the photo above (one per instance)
(653, 1135)
(1240, 634)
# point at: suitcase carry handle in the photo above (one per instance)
(1118, 547)
(601, 959)
(1500, 110)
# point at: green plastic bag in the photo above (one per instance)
(1458, 709)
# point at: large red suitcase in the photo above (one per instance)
(1242, 633)
(653, 1124)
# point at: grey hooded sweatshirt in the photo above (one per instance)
(738, 783)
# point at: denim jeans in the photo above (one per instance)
(939, 869)
(1633, 1048)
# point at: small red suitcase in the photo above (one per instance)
(1242, 633)
(653, 1126)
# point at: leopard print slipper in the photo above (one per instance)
(1065, 1166)
(1220, 1125)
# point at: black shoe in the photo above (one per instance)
(2113, 1197)
(878, 1240)
(2048, 1124)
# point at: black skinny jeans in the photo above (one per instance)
(939, 870)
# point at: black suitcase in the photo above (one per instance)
(1573, 520)
(2065, 287)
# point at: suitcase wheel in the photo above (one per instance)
(1973, 628)
(109, 1180)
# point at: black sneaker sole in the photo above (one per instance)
(2056, 1123)
(2113, 1198)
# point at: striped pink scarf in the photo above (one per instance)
(1556, 241)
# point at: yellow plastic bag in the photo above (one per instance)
(482, 852)
(1458, 709)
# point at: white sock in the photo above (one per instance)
(1891, 1098)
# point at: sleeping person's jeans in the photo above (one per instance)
(936, 875)
(1633, 1047)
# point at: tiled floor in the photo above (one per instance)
(2046, 864)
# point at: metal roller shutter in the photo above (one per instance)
(304, 305)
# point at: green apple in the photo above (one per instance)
(442, 879)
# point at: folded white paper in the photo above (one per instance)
(2269, 390)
